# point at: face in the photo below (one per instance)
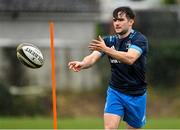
(122, 24)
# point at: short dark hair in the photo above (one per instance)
(124, 9)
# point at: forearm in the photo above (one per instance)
(90, 60)
(87, 62)
(124, 57)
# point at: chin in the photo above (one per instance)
(121, 32)
(118, 32)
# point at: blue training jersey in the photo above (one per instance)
(129, 79)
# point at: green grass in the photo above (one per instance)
(78, 123)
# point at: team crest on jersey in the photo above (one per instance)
(113, 47)
(128, 44)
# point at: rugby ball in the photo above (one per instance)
(30, 55)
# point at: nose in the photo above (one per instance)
(117, 23)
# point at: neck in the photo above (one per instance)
(126, 34)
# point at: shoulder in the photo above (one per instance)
(138, 36)
(110, 40)
(139, 42)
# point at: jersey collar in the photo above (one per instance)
(131, 32)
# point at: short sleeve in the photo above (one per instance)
(140, 44)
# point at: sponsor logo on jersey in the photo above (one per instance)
(114, 60)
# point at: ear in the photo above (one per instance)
(131, 22)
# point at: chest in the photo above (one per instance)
(122, 44)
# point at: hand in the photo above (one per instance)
(76, 66)
(97, 45)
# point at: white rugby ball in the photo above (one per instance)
(30, 55)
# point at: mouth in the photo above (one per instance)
(118, 28)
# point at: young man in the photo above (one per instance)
(127, 53)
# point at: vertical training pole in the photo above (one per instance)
(53, 75)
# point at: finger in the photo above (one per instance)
(100, 38)
(71, 63)
(91, 46)
(94, 44)
(96, 41)
(71, 66)
(77, 65)
(76, 69)
(92, 49)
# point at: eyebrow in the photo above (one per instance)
(118, 18)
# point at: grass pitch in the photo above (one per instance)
(78, 123)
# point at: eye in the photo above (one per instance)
(121, 19)
(118, 19)
(114, 20)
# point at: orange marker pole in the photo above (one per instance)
(53, 75)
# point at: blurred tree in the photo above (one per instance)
(18, 77)
(164, 63)
(6, 100)
(169, 2)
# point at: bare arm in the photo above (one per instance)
(87, 62)
(91, 59)
(128, 57)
